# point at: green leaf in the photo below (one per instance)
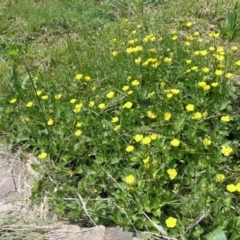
(13, 53)
(235, 225)
(217, 234)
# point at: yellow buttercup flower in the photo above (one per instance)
(171, 222)
(129, 50)
(210, 34)
(29, 104)
(175, 91)
(151, 94)
(190, 38)
(167, 116)
(196, 53)
(220, 58)
(197, 115)
(129, 148)
(231, 188)
(127, 105)
(225, 118)
(218, 72)
(138, 49)
(238, 63)
(73, 100)
(135, 82)
(167, 60)
(194, 68)
(130, 179)
(153, 50)
(45, 97)
(114, 53)
(206, 87)
(175, 142)
(190, 107)
(131, 42)
(204, 114)
(117, 127)
(205, 69)
(115, 119)
(42, 155)
(101, 105)
(220, 177)
(125, 88)
(206, 142)
(13, 100)
(146, 160)
(79, 76)
(196, 33)
(228, 75)
(91, 104)
(150, 114)
(221, 65)
(226, 150)
(87, 78)
(234, 48)
(78, 108)
(162, 84)
(58, 96)
(238, 187)
(203, 53)
(39, 92)
(78, 124)
(78, 133)
(220, 49)
(153, 136)
(172, 173)
(202, 84)
(50, 122)
(146, 140)
(214, 84)
(110, 94)
(138, 137)
(138, 60)
(189, 24)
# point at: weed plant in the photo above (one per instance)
(143, 126)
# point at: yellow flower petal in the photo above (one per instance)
(175, 142)
(129, 179)
(42, 155)
(171, 222)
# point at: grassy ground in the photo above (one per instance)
(132, 106)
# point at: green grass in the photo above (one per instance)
(99, 92)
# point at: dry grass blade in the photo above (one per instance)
(83, 204)
(18, 226)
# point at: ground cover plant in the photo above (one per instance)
(135, 124)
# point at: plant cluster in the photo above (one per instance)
(150, 136)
